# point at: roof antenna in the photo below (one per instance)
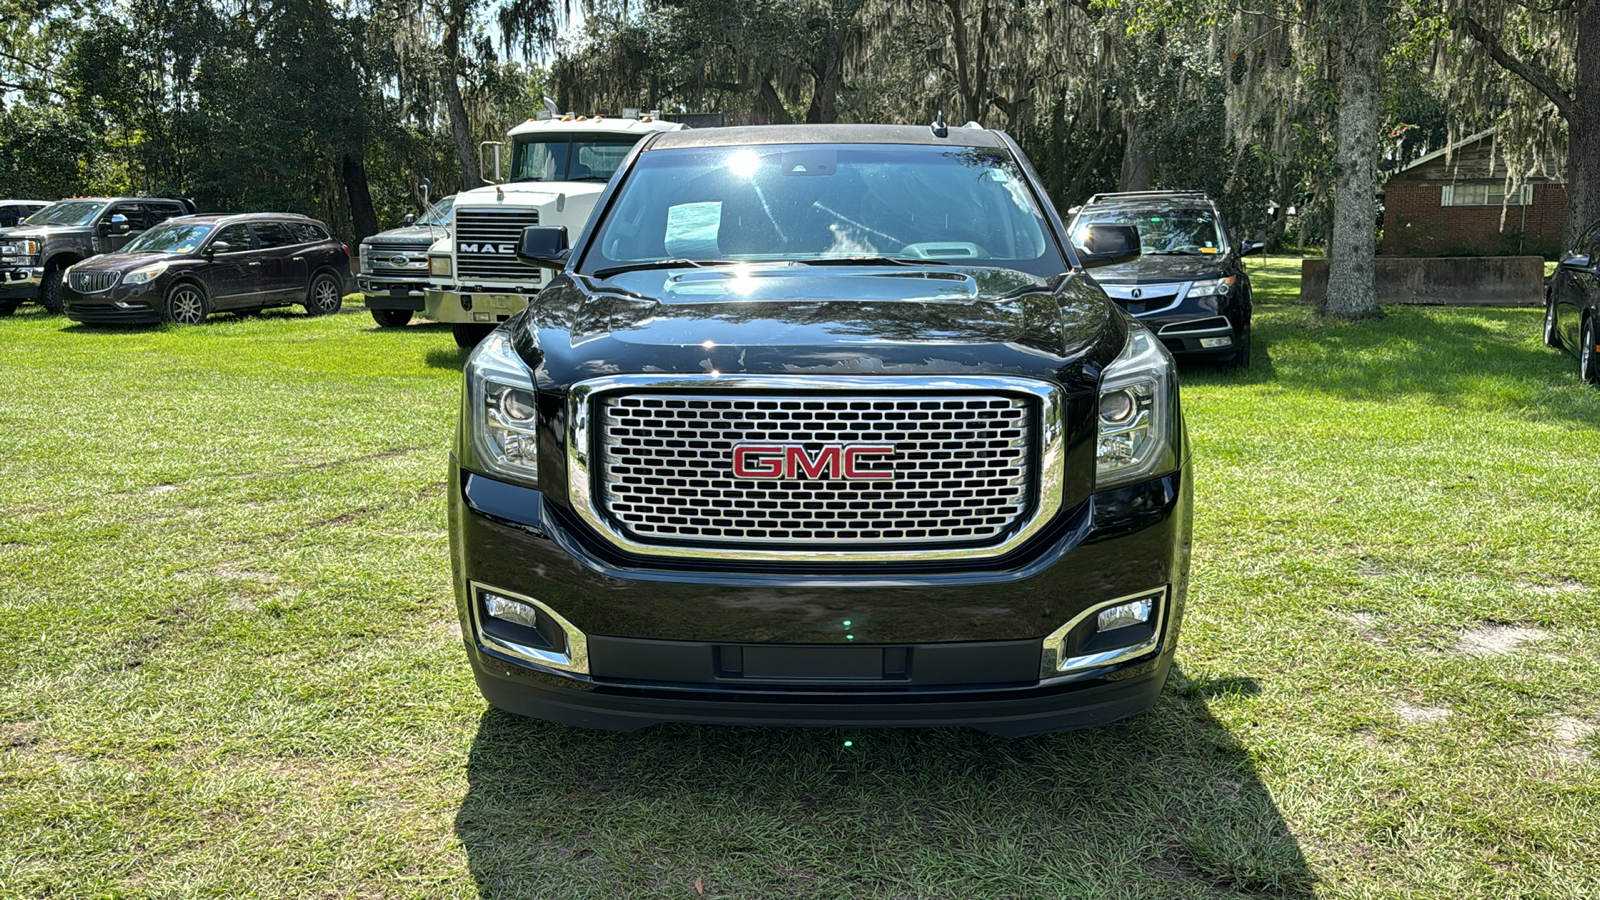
(940, 129)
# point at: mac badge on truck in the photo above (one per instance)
(822, 425)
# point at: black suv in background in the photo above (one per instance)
(186, 269)
(35, 254)
(14, 211)
(1189, 283)
(394, 265)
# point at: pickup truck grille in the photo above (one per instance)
(94, 282)
(483, 233)
(962, 467)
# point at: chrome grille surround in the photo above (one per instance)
(1025, 510)
(1156, 297)
(94, 281)
(500, 227)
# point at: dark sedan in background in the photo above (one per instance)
(1188, 284)
(189, 267)
(1572, 305)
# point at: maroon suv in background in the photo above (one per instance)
(189, 267)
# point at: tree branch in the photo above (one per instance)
(1528, 72)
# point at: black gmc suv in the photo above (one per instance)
(35, 254)
(822, 425)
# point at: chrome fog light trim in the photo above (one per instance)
(1054, 660)
(524, 612)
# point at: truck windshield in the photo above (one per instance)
(67, 212)
(568, 157)
(1163, 231)
(439, 213)
(808, 202)
(173, 237)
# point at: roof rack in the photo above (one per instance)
(1149, 195)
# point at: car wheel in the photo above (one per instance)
(50, 292)
(1241, 353)
(391, 318)
(1588, 358)
(1551, 339)
(469, 336)
(185, 304)
(324, 297)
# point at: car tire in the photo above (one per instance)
(185, 303)
(469, 336)
(1588, 358)
(324, 297)
(1551, 339)
(392, 318)
(50, 292)
(1241, 354)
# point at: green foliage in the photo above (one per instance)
(46, 153)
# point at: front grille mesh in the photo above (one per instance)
(961, 467)
(94, 282)
(476, 228)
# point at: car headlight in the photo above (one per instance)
(145, 275)
(500, 413)
(20, 248)
(439, 266)
(1138, 413)
(366, 265)
(1215, 287)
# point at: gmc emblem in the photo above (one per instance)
(793, 461)
(486, 248)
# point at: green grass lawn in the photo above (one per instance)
(231, 667)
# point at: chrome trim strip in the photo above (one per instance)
(576, 659)
(1196, 332)
(1051, 431)
(1050, 663)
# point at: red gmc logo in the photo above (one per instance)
(793, 461)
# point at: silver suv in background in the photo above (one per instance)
(394, 264)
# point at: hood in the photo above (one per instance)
(411, 236)
(36, 232)
(126, 262)
(522, 193)
(1155, 269)
(824, 321)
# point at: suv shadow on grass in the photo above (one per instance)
(1166, 804)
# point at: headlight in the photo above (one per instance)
(439, 266)
(1216, 287)
(145, 275)
(366, 266)
(501, 413)
(1137, 415)
(20, 248)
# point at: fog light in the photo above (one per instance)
(1123, 615)
(506, 609)
(1210, 343)
(482, 317)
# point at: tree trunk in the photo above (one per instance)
(1357, 48)
(460, 125)
(1583, 124)
(1135, 156)
(357, 191)
(827, 76)
(770, 104)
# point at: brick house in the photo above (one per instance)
(1454, 202)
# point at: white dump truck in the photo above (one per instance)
(559, 166)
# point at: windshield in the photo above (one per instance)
(67, 212)
(173, 237)
(1162, 231)
(439, 213)
(810, 202)
(570, 157)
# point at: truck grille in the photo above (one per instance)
(396, 260)
(486, 231)
(961, 467)
(94, 282)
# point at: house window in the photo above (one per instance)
(1485, 195)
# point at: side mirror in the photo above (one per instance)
(218, 247)
(1251, 248)
(118, 224)
(1109, 245)
(424, 186)
(1576, 261)
(481, 160)
(411, 219)
(544, 246)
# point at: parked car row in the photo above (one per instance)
(148, 259)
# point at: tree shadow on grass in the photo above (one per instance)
(1166, 804)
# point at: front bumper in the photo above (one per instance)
(466, 305)
(379, 292)
(121, 305)
(1196, 336)
(909, 646)
(20, 282)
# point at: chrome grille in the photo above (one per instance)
(961, 467)
(500, 229)
(92, 282)
(397, 259)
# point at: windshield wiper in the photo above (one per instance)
(661, 264)
(867, 261)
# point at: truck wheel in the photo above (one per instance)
(50, 292)
(324, 297)
(185, 304)
(391, 318)
(1588, 358)
(469, 336)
